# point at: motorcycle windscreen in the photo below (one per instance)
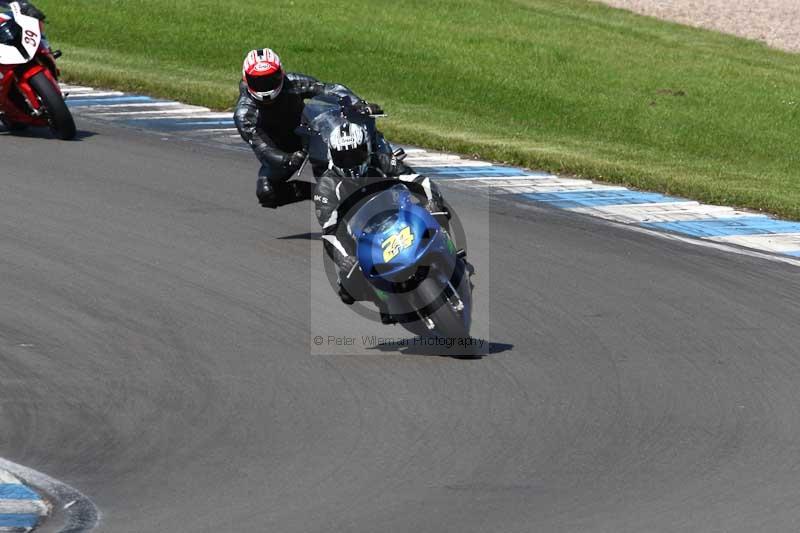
(323, 114)
(10, 31)
(392, 232)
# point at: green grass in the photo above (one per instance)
(563, 85)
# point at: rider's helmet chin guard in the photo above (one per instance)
(349, 150)
(263, 73)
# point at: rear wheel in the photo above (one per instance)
(58, 115)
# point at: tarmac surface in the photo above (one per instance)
(156, 354)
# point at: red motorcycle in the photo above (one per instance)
(29, 90)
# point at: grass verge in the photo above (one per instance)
(562, 85)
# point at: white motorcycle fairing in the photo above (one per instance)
(30, 38)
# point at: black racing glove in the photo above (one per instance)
(388, 164)
(295, 160)
(345, 296)
(435, 205)
(366, 108)
(347, 264)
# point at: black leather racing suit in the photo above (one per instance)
(334, 198)
(269, 128)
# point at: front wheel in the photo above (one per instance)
(448, 321)
(58, 115)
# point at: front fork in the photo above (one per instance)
(24, 87)
(44, 61)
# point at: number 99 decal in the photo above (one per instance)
(30, 37)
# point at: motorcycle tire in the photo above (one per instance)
(448, 322)
(58, 114)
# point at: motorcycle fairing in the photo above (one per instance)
(321, 115)
(393, 233)
(22, 38)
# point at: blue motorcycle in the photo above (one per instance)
(412, 264)
(412, 267)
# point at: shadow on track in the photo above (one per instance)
(422, 349)
(43, 133)
(310, 236)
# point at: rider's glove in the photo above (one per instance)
(367, 108)
(388, 164)
(295, 160)
(347, 264)
(437, 208)
(345, 296)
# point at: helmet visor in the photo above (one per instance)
(265, 84)
(350, 158)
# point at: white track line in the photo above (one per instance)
(180, 112)
(89, 96)
(67, 87)
(76, 92)
(713, 245)
(23, 507)
(544, 184)
(773, 242)
(665, 212)
(101, 107)
(7, 478)
(216, 130)
(507, 181)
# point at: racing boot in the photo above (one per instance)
(274, 195)
(298, 191)
(266, 193)
(345, 296)
(387, 319)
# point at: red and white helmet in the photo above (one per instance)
(263, 74)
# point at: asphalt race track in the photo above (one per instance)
(155, 354)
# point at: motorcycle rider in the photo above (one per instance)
(351, 176)
(269, 110)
